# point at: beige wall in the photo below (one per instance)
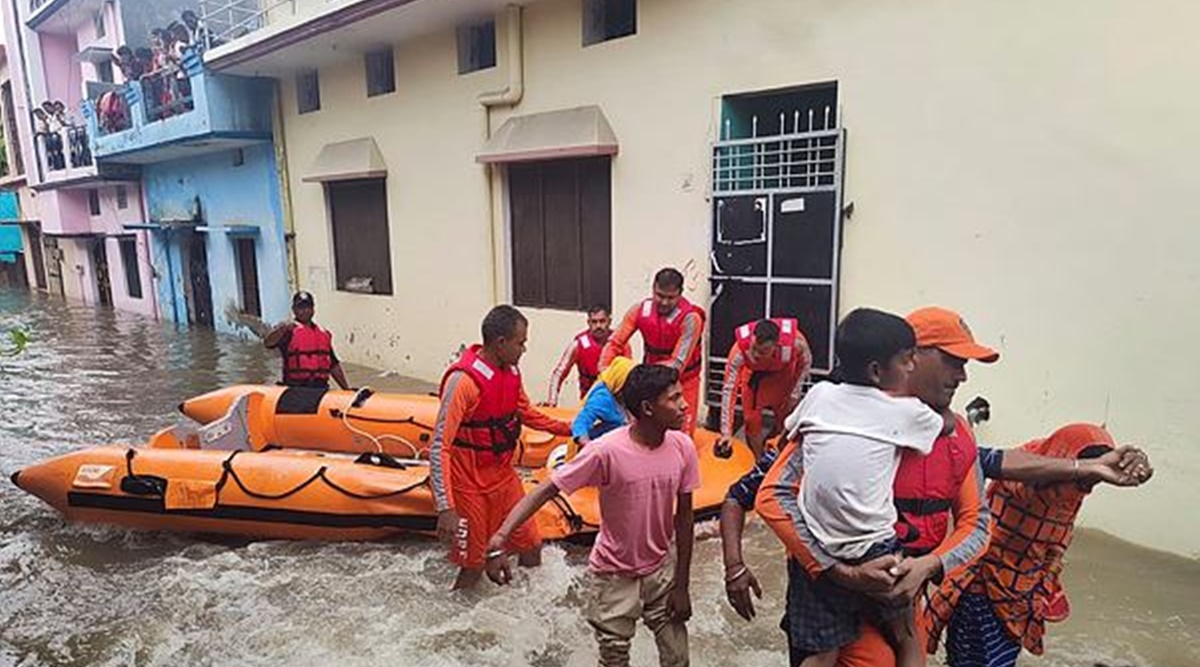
(1025, 163)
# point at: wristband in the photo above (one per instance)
(737, 574)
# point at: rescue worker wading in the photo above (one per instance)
(307, 349)
(583, 354)
(768, 365)
(672, 329)
(483, 406)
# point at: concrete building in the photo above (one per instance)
(18, 267)
(1024, 163)
(158, 195)
(60, 55)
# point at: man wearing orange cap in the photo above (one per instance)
(929, 491)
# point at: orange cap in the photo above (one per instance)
(946, 330)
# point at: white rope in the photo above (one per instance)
(375, 439)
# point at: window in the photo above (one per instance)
(561, 214)
(104, 71)
(239, 157)
(608, 19)
(362, 253)
(308, 92)
(94, 202)
(248, 275)
(381, 72)
(122, 197)
(98, 21)
(129, 259)
(476, 46)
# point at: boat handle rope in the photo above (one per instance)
(141, 485)
(573, 518)
(228, 473)
(359, 396)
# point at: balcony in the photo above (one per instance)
(179, 113)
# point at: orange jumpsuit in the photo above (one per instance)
(481, 487)
(761, 390)
(957, 551)
(683, 358)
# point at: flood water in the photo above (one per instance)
(88, 595)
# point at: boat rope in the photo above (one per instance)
(228, 473)
(377, 440)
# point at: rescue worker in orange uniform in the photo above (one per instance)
(478, 427)
(929, 491)
(672, 331)
(768, 365)
(583, 353)
(307, 349)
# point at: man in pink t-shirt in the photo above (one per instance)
(646, 473)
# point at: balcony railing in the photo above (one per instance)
(226, 20)
(64, 149)
(177, 105)
(166, 94)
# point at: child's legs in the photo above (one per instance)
(670, 635)
(612, 611)
(899, 627)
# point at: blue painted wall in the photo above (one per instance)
(245, 195)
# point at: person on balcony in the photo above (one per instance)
(198, 31)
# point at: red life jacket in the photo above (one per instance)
(308, 357)
(587, 360)
(785, 351)
(660, 334)
(926, 486)
(493, 430)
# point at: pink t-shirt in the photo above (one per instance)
(638, 486)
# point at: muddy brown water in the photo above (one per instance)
(74, 595)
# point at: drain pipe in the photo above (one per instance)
(510, 96)
(285, 189)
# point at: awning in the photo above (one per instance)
(166, 225)
(579, 132)
(346, 161)
(95, 54)
(230, 230)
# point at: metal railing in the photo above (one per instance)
(803, 155)
(166, 93)
(226, 20)
(65, 148)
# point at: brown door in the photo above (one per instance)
(100, 268)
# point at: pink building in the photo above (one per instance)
(82, 215)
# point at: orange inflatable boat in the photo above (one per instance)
(352, 421)
(222, 478)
